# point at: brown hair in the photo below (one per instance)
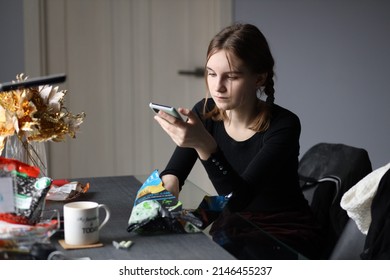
(246, 42)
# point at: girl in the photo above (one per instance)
(249, 148)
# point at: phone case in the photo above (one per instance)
(167, 109)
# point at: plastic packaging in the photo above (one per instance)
(157, 210)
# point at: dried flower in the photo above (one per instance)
(36, 114)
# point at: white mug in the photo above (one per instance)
(81, 222)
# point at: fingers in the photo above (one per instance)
(183, 133)
(166, 123)
(168, 118)
(191, 116)
(173, 127)
(184, 111)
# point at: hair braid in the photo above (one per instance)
(269, 87)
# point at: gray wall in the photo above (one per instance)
(11, 41)
(332, 66)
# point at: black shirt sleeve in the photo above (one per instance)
(181, 164)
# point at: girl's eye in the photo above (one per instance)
(232, 77)
(211, 74)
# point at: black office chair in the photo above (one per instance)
(326, 172)
(350, 244)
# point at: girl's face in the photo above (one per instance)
(231, 85)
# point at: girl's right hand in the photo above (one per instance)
(171, 183)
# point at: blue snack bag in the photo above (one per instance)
(155, 209)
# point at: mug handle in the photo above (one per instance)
(107, 217)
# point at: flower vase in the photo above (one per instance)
(31, 153)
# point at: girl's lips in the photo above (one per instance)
(220, 97)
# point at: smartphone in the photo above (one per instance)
(46, 80)
(167, 109)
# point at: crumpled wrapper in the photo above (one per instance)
(157, 210)
(63, 190)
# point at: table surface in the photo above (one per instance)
(118, 194)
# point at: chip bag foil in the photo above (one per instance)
(155, 209)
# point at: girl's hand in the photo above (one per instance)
(171, 183)
(189, 134)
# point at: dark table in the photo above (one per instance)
(118, 194)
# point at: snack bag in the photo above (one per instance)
(157, 210)
(29, 191)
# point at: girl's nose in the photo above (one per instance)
(220, 86)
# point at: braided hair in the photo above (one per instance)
(269, 87)
(247, 43)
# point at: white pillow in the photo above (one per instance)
(358, 199)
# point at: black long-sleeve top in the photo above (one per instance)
(260, 172)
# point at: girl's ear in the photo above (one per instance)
(261, 79)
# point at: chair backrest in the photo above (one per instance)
(327, 171)
(350, 244)
(322, 196)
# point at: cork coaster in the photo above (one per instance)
(70, 247)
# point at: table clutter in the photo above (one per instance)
(42, 237)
